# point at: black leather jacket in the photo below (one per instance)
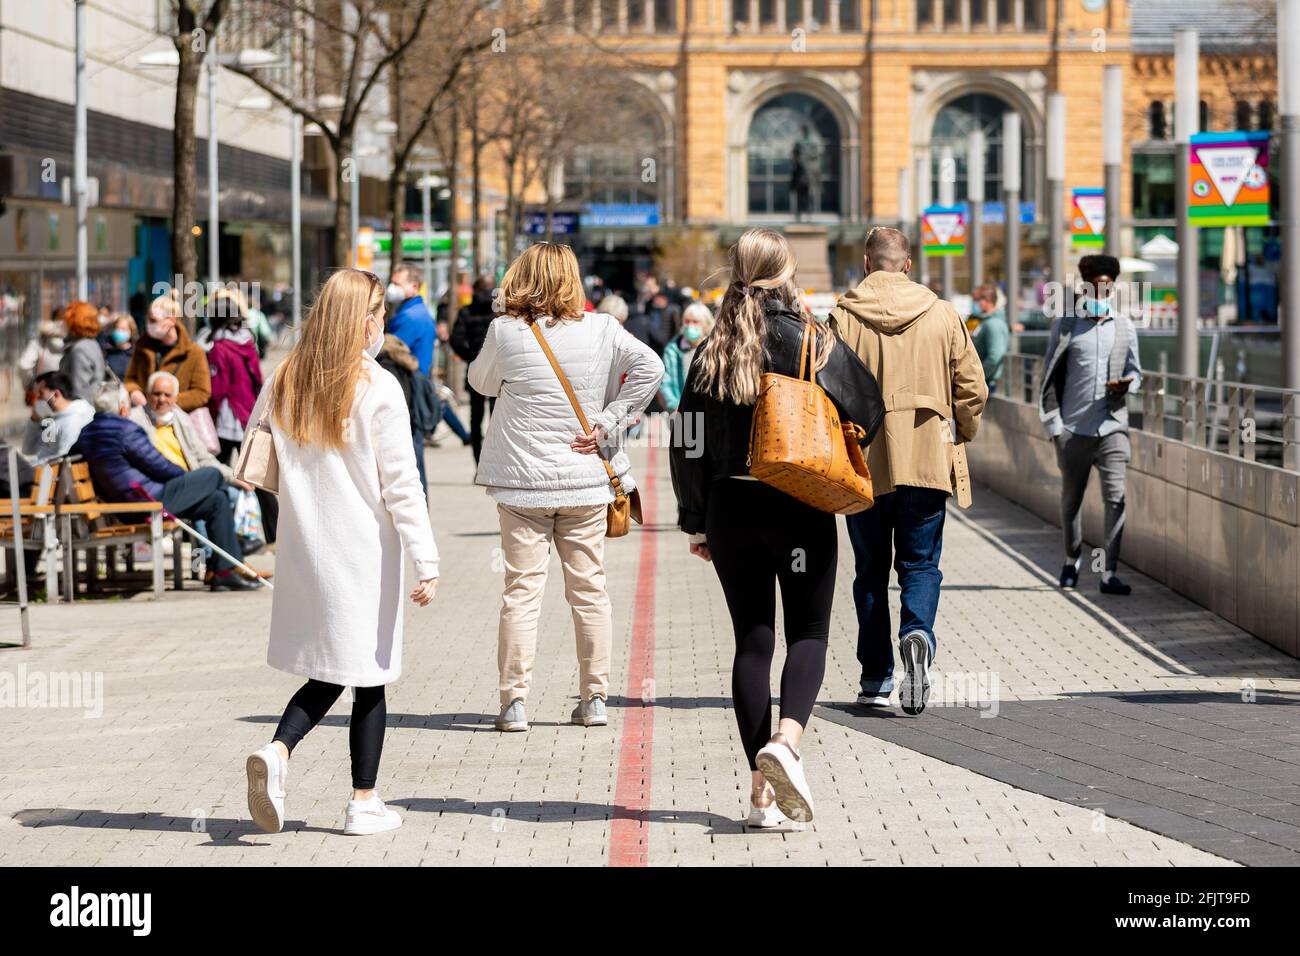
(711, 437)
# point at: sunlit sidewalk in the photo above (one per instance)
(152, 771)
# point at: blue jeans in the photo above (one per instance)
(418, 437)
(903, 528)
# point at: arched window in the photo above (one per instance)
(794, 149)
(953, 126)
(1158, 125)
(623, 160)
(1266, 116)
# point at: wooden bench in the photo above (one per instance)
(36, 530)
(84, 526)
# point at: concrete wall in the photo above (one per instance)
(1220, 530)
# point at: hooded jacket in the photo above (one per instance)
(929, 373)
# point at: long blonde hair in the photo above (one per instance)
(732, 358)
(313, 390)
(543, 281)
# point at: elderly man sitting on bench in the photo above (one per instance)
(125, 466)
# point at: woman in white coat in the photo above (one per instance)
(350, 504)
(543, 472)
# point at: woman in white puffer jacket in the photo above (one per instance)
(544, 473)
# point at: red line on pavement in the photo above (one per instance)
(629, 835)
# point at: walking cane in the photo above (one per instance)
(217, 548)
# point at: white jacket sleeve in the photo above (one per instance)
(399, 481)
(484, 373)
(631, 394)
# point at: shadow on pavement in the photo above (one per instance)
(222, 831)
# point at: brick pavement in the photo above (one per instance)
(158, 778)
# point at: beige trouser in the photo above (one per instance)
(579, 536)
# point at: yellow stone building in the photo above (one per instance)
(728, 93)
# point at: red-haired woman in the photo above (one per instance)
(83, 359)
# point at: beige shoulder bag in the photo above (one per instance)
(625, 508)
(257, 464)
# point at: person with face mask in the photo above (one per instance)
(167, 346)
(336, 616)
(56, 420)
(1091, 365)
(170, 430)
(118, 342)
(411, 321)
(697, 321)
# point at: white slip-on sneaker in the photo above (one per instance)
(364, 817)
(590, 713)
(512, 718)
(873, 700)
(267, 772)
(764, 818)
(783, 769)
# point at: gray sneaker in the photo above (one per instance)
(512, 718)
(591, 713)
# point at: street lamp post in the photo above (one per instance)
(1011, 194)
(1288, 81)
(426, 212)
(1187, 109)
(79, 158)
(1112, 150)
(1056, 185)
(975, 197)
(295, 216)
(922, 200)
(947, 197)
(214, 206)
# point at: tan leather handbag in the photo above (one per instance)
(625, 508)
(257, 463)
(798, 444)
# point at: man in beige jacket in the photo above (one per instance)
(930, 376)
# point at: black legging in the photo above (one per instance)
(365, 730)
(760, 537)
(477, 404)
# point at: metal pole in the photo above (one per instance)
(79, 185)
(1288, 41)
(295, 218)
(1112, 152)
(426, 210)
(975, 147)
(20, 565)
(906, 215)
(214, 211)
(356, 208)
(1011, 192)
(922, 178)
(947, 197)
(1056, 185)
(1187, 112)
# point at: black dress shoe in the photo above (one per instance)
(1070, 576)
(1114, 586)
(233, 582)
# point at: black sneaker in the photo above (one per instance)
(230, 581)
(1115, 586)
(914, 692)
(1070, 576)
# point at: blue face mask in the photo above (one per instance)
(120, 336)
(1097, 308)
(692, 333)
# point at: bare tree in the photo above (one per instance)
(194, 30)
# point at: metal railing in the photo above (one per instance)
(1252, 422)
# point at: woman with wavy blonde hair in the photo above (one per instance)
(543, 469)
(350, 505)
(757, 537)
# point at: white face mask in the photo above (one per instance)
(395, 293)
(43, 408)
(374, 348)
(158, 330)
(163, 418)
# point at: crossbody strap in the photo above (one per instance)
(573, 400)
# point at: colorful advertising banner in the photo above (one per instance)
(943, 231)
(1229, 179)
(1088, 217)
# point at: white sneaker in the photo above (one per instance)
(764, 818)
(784, 771)
(267, 772)
(873, 700)
(364, 817)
